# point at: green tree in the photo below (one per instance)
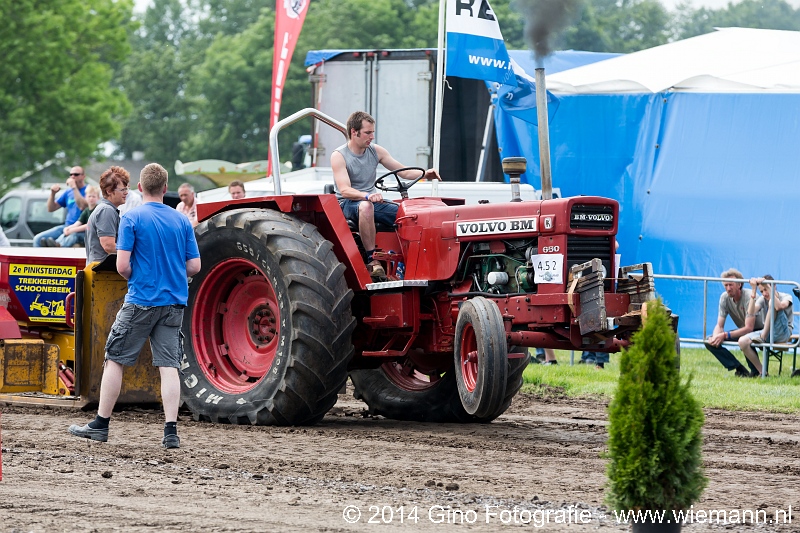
(231, 88)
(512, 23)
(618, 26)
(172, 43)
(231, 96)
(588, 33)
(228, 17)
(56, 93)
(154, 81)
(371, 24)
(766, 14)
(654, 432)
(165, 21)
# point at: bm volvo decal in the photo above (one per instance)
(500, 225)
(593, 217)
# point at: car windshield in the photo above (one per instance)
(40, 219)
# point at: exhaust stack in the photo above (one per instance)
(544, 133)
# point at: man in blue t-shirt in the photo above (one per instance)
(156, 253)
(73, 200)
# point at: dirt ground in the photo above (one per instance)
(540, 463)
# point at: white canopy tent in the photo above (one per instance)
(726, 60)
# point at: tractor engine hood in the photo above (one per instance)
(432, 232)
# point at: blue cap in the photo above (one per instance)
(304, 139)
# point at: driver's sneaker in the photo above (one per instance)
(171, 441)
(376, 270)
(86, 432)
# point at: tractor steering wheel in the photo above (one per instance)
(402, 187)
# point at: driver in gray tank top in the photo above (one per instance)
(354, 167)
(362, 169)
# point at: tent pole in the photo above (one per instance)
(486, 132)
(437, 114)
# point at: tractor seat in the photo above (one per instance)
(328, 189)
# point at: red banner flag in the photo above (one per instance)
(289, 18)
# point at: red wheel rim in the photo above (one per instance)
(469, 357)
(412, 375)
(235, 326)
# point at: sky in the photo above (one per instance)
(141, 5)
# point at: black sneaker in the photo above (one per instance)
(600, 366)
(171, 441)
(86, 432)
(553, 362)
(742, 372)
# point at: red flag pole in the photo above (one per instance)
(289, 18)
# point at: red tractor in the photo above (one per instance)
(284, 308)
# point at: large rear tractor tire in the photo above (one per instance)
(268, 326)
(406, 390)
(481, 357)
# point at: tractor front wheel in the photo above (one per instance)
(481, 357)
(268, 327)
(408, 390)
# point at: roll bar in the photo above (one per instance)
(291, 119)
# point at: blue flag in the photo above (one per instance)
(520, 100)
(475, 47)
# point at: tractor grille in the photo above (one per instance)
(591, 217)
(581, 249)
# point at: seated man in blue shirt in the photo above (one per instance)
(73, 200)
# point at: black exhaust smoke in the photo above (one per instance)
(544, 19)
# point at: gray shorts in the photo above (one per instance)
(780, 337)
(135, 323)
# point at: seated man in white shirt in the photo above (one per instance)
(781, 308)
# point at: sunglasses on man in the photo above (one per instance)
(76, 173)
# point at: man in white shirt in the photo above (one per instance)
(188, 205)
(134, 199)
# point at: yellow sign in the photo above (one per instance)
(43, 270)
(43, 289)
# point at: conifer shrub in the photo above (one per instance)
(654, 434)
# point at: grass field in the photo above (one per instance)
(712, 385)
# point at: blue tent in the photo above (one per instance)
(697, 140)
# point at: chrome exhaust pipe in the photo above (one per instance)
(544, 133)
